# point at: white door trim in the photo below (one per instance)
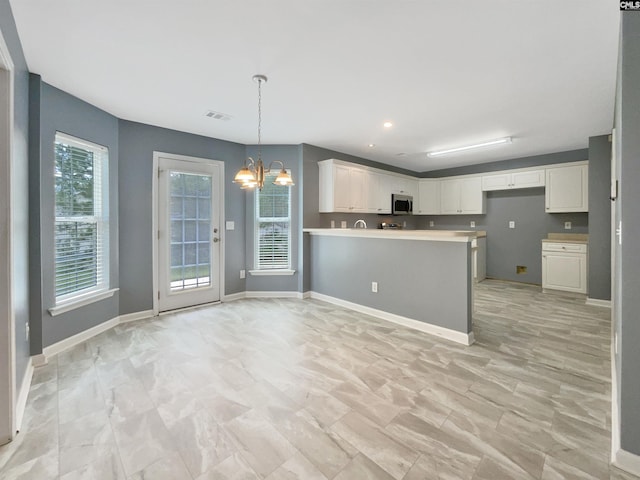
(7, 313)
(155, 220)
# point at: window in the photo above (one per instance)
(273, 226)
(81, 218)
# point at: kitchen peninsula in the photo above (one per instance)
(422, 279)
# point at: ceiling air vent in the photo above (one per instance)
(217, 115)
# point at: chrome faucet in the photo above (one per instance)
(360, 222)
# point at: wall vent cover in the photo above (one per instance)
(218, 115)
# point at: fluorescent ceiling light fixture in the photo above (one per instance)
(499, 141)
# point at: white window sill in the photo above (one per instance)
(258, 273)
(81, 301)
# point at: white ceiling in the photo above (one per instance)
(446, 73)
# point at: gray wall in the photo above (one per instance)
(628, 270)
(19, 184)
(599, 217)
(137, 144)
(510, 247)
(416, 279)
(61, 112)
(289, 155)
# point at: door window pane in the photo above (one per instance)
(190, 230)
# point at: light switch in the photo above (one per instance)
(512, 224)
(231, 225)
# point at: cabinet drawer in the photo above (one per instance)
(564, 247)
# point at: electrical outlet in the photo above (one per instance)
(432, 223)
(404, 224)
(472, 224)
(333, 224)
(512, 224)
(374, 287)
(343, 224)
(567, 225)
(243, 274)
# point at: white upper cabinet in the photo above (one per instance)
(404, 185)
(516, 179)
(379, 193)
(352, 188)
(567, 188)
(462, 196)
(342, 188)
(428, 202)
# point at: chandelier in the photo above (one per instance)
(252, 173)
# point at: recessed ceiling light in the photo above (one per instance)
(371, 145)
(488, 143)
(387, 124)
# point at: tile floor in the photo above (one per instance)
(300, 389)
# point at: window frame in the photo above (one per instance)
(265, 269)
(100, 218)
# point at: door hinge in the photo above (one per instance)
(158, 234)
(158, 294)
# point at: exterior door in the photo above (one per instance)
(189, 236)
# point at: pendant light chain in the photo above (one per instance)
(259, 118)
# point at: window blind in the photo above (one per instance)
(273, 221)
(81, 217)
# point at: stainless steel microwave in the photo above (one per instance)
(401, 204)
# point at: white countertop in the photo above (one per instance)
(579, 238)
(427, 235)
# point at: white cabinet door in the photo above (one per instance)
(450, 197)
(567, 189)
(428, 197)
(471, 196)
(357, 190)
(341, 188)
(564, 271)
(379, 193)
(462, 196)
(528, 179)
(500, 181)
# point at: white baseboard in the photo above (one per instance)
(67, 343)
(596, 302)
(626, 461)
(78, 338)
(232, 297)
(306, 294)
(132, 317)
(39, 360)
(23, 394)
(263, 294)
(458, 337)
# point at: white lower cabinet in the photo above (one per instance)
(564, 267)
